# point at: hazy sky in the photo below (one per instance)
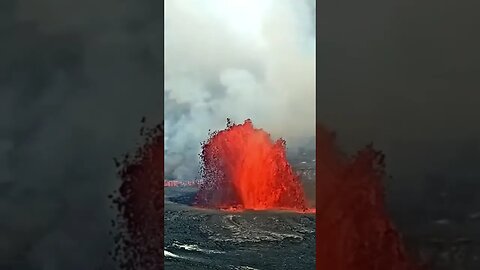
(236, 59)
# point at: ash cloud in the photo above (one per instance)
(219, 66)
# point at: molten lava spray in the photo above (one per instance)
(244, 169)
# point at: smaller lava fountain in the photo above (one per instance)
(243, 168)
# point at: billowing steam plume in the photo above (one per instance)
(236, 59)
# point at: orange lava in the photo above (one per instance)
(244, 169)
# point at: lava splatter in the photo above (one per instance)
(139, 202)
(243, 168)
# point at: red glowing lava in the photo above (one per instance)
(243, 168)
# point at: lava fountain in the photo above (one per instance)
(243, 168)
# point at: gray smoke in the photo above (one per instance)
(255, 61)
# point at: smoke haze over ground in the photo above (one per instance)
(236, 59)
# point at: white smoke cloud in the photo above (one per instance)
(238, 59)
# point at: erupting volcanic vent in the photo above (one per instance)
(244, 169)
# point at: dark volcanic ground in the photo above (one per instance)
(441, 231)
(211, 239)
